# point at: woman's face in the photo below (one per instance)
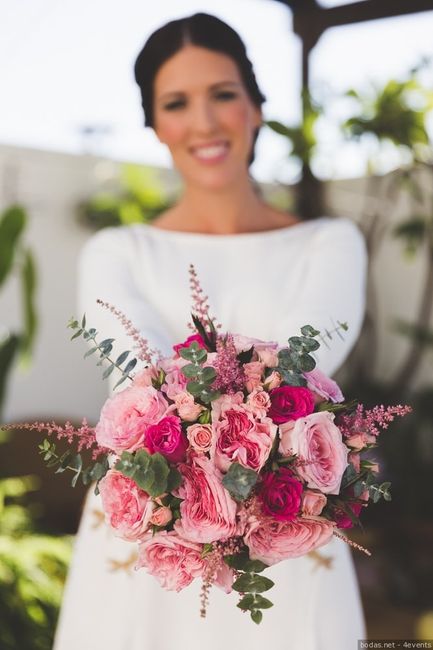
(205, 116)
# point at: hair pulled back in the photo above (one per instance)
(202, 30)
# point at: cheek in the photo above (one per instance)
(170, 130)
(238, 117)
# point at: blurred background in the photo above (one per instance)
(349, 132)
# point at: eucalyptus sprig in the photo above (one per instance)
(200, 378)
(296, 359)
(250, 584)
(70, 460)
(104, 348)
(151, 472)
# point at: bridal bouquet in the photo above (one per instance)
(227, 457)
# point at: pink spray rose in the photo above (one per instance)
(268, 356)
(175, 382)
(242, 438)
(313, 503)
(200, 437)
(323, 386)
(173, 561)
(167, 438)
(186, 407)
(187, 343)
(253, 374)
(272, 541)
(128, 509)
(290, 403)
(161, 516)
(317, 441)
(272, 381)
(259, 402)
(126, 415)
(208, 513)
(280, 494)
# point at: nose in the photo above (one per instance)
(204, 118)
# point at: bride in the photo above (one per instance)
(266, 274)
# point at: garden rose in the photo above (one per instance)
(200, 437)
(240, 437)
(323, 386)
(126, 416)
(280, 494)
(290, 403)
(317, 441)
(188, 341)
(272, 541)
(172, 560)
(167, 438)
(208, 513)
(128, 508)
(313, 502)
(186, 407)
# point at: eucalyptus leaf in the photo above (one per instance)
(239, 481)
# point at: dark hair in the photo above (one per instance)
(202, 30)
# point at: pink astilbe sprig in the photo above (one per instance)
(371, 421)
(83, 436)
(144, 352)
(200, 306)
(230, 376)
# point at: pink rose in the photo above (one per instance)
(290, 403)
(280, 494)
(259, 402)
(145, 376)
(126, 415)
(200, 437)
(224, 403)
(240, 437)
(175, 382)
(272, 541)
(313, 503)
(319, 446)
(173, 561)
(161, 516)
(356, 442)
(323, 386)
(208, 513)
(186, 407)
(187, 343)
(268, 356)
(273, 381)
(167, 438)
(127, 508)
(253, 374)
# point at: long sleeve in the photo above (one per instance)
(332, 284)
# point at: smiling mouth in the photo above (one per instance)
(210, 153)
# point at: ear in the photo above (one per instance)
(257, 117)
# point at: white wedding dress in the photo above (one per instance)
(264, 285)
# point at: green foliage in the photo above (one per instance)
(239, 481)
(32, 572)
(138, 199)
(151, 472)
(250, 584)
(296, 359)
(72, 461)
(104, 348)
(200, 378)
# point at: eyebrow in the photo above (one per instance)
(214, 86)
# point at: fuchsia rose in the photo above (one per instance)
(240, 437)
(342, 519)
(126, 416)
(253, 374)
(187, 343)
(128, 509)
(173, 561)
(272, 541)
(318, 444)
(186, 407)
(167, 438)
(290, 403)
(200, 437)
(313, 503)
(280, 494)
(259, 402)
(208, 513)
(323, 386)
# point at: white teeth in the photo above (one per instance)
(210, 152)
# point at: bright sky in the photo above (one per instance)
(66, 64)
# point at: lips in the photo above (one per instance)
(211, 152)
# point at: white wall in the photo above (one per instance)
(60, 383)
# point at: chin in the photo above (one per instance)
(217, 179)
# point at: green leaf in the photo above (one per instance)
(246, 356)
(130, 366)
(122, 357)
(308, 330)
(28, 284)
(77, 334)
(237, 561)
(250, 582)
(107, 372)
(190, 370)
(246, 602)
(262, 603)
(91, 351)
(255, 566)
(239, 481)
(8, 350)
(12, 224)
(208, 375)
(257, 616)
(306, 363)
(174, 480)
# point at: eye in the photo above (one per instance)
(174, 105)
(225, 95)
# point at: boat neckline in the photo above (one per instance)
(226, 236)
